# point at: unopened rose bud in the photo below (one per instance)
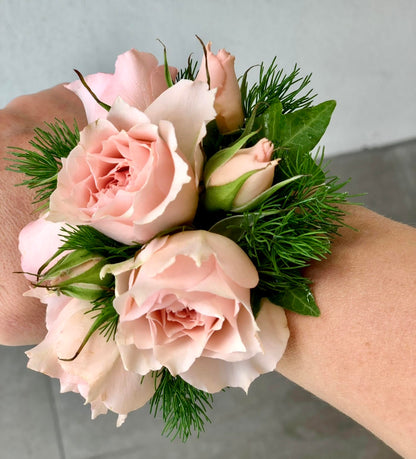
(243, 177)
(77, 274)
(228, 97)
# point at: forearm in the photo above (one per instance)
(22, 319)
(360, 355)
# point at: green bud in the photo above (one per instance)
(235, 177)
(77, 274)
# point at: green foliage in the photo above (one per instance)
(299, 131)
(104, 315)
(105, 320)
(290, 229)
(42, 163)
(183, 407)
(299, 300)
(189, 72)
(88, 238)
(273, 86)
(89, 241)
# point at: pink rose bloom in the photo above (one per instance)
(97, 373)
(138, 80)
(38, 241)
(184, 304)
(255, 159)
(228, 98)
(134, 173)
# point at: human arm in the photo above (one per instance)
(22, 319)
(360, 355)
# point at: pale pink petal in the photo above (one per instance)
(123, 116)
(212, 375)
(101, 85)
(138, 362)
(158, 80)
(38, 241)
(189, 106)
(137, 79)
(260, 181)
(200, 246)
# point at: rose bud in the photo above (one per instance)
(77, 274)
(228, 97)
(241, 178)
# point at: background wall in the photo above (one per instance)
(361, 52)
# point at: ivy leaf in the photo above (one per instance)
(301, 130)
(231, 227)
(270, 122)
(299, 299)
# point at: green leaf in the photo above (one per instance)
(70, 261)
(299, 300)
(269, 123)
(256, 202)
(230, 227)
(222, 197)
(87, 292)
(168, 77)
(301, 130)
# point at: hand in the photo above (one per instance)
(359, 356)
(22, 320)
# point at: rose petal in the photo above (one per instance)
(189, 106)
(212, 375)
(38, 241)
(137, 79)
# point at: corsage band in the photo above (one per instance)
(174, 229)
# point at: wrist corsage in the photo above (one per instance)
(174, 229)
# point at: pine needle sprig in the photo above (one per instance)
(42, 163)
(88, 238)
(295, 227)
(189, 72)
(274, 85)
(183, 407)
(104, 312)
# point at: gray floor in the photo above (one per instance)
(276, 420)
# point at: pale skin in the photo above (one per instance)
(359, 356)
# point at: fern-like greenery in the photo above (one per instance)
(273, 86)
(41, 164)
(183, 407)
(189, 72)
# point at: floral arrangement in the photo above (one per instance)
(174, 230)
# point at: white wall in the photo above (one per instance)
(361, 52)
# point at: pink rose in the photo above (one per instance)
(250, 169)
(228, 98)
(185, 306)
(38, 241)
(97, 373)
(138, 80)
(134, 173)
